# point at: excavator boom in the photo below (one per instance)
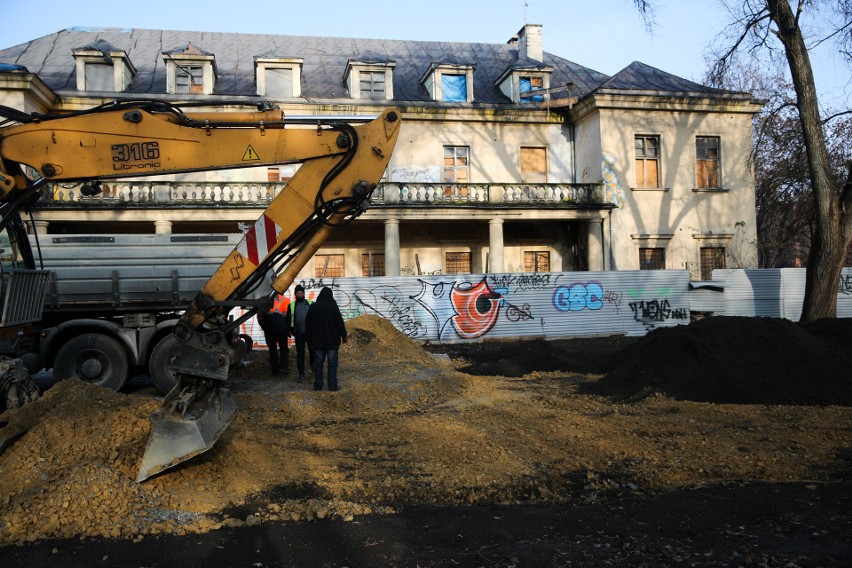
(341, 164)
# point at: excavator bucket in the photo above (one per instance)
(188, 423)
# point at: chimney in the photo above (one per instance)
(529, 42)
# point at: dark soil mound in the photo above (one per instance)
(738, 360)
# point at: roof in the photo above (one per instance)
(325, 60)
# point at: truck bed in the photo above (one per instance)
(123, 273)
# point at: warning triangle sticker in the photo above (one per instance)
(250, 155)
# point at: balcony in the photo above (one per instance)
(166, 195)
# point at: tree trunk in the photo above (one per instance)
(832, 224)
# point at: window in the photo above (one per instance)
(647, 161)
(190, 70)
(712, 258)
(652, 259)
(534, 165)
(372, 84)
(707, 162)
(279, 82)
(536, 261)
(456, 165)
(373, 264)
(99, 77)
(328, 266)
(189, 79)
(453, 88)
(457, 263)
(100, 66)
(529, 84)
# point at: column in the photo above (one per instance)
(162, 227)
(392, 247)
(597, 258)
(39, 226)
(495, 246)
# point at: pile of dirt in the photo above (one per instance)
(738, 360)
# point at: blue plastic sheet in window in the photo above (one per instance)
(454, 88)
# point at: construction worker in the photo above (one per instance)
(297, 311)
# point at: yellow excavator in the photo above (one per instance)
(341, 163)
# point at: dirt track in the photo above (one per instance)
(611, 421)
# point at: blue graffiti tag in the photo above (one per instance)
(578, 296)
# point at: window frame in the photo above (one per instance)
(533, 98)
(354, 71)
(644, 159)
(706, 268)
(454, 168)
(433, 81)
(448, 262)
(527, 175)
(535, 256)
(332, 270)
(175, 61)
(378, 264)
(701, 162)
(658, 263)
(123, 71)
(264, 64)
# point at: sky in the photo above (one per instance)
(605, 35)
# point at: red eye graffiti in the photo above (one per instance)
(476, 308)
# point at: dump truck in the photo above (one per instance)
(341, 164)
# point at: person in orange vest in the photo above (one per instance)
(276, 332)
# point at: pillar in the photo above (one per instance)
(495, 246)
(392, 247)
(597, 258)
(37, 226)
(162, 227)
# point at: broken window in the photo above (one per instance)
(647, 161)
(707, 162)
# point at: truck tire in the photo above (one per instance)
(95, 358)
(163, 378)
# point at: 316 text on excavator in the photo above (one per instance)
(139, 155)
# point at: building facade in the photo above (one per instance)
(509, 159)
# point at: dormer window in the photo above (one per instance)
(278, 77)
(369, 79)
(520, 83)
(450, 83)
(190, 70)
(102, 67)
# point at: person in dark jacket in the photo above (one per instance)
(297, 311)
(325, 330)
(276, 331)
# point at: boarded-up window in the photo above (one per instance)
(527, 85)
(273, 174)
(99, 77)
(534, 165)
(652, 259)
(372, 84)
(707, 162)
(328, 266)
(279, 82)
(373, 264)
(647, 161)
(712, 258)
(456, 164)
(189, 79)
(536, 261)
(457, 263)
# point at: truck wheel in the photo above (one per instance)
(95, 358)
(164, 379)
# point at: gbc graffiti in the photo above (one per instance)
(578, 297)
(657, 310)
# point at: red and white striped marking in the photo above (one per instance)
(260, 239)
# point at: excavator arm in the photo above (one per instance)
(341, 164)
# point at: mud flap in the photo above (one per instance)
(189, 421)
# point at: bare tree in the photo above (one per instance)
(757, 25)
